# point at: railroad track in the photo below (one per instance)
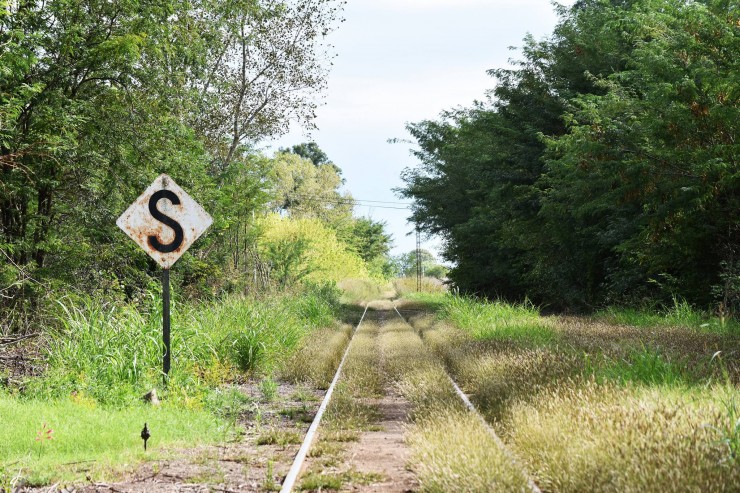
(295, 471)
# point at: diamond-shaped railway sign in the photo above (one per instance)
(164, 221)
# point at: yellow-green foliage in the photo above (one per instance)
(326, 258)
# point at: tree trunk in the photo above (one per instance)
(42, 230)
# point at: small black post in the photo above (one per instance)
(166, 323)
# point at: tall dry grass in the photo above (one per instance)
(589, 437)
(355, 291)
(453, 453)
(408, 285)
(317, 358)
(451, 449)
(601, 407)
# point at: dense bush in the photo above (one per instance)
(113, 352)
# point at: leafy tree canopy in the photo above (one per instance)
(602, 167)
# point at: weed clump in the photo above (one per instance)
(497, 320)
(586, 437)
(452, 452)
(592, 406)
(318, 357)
(680, 314)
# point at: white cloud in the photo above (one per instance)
(364, 101)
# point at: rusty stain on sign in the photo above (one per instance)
(164, 221)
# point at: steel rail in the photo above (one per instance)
(295, 469)
(471, 407)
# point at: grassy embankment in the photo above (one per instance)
(105, 357)
(591, 404)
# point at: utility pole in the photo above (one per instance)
(418, 260)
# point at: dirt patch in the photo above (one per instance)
(384, 451)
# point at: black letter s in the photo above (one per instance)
(157, 214)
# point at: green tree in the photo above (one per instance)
(370, 239)
(602, 167)
(651, 162)
(265, 62)
(310, 151)
(406, 263)
(302, 189)
(97, 98)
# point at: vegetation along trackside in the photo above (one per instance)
(589, 404)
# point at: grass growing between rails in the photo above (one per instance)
(350, 412)
(451, 449)
(596, 406)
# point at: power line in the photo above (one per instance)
(353, 202)
(357, 200)
(383, 201)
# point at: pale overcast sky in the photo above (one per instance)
(402, 61)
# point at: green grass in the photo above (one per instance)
(680, 314)
(279, 437)
(648, 366)
(424, 299)
(113, 352)
(87, 437)
(486, 320)
(496, 320)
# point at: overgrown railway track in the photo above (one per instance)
(291, 479)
